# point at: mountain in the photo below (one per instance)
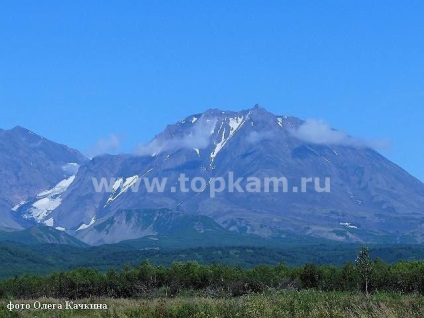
(30, 164)
(367, 198)
(166, 229)
(148, 223)
(39, 235)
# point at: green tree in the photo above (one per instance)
(364, 267)
(310, 276)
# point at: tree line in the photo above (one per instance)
(217, 280)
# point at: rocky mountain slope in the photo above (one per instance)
(367, 197)
(30, 164)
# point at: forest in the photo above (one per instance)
(43, 259)
(364, 287)
(216, 280)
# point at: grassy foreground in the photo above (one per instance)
(307, 303)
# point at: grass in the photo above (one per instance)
(307, 303)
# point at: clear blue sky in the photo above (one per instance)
(78, 71)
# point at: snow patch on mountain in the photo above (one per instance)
(16, 207)
(280, 121)
(49, 222)
(218, 146)
(234, 124)
(85, 226)
(129, 182)
(48, 201)
(124, 186)
(58, 189)
(348, 225)
(117, 184)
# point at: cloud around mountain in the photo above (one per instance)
(110, 144)
(255, 136)
(198, 137)
(319, 132)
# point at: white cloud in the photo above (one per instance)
(319, 132)
(254, 137)
(110, 144)
(198, 137)
(70, 168)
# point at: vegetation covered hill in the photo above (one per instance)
(217, 280)
(18, 259)
(37, 235)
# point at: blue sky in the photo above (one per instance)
(79, 71)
